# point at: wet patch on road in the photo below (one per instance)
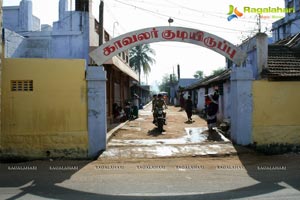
(193, 135)
(163, 151)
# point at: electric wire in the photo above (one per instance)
(184, 20)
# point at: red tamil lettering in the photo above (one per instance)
(210, 42)
(108, 50)
(118, 44)
(168, 34)
(222, 46)
(232, 53)
(143, 36)
(198, 36)
(127, 40)
(182, 34)
(154, 33)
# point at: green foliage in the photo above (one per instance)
(140, 59)
(217, 71)
(167, 81)
(199, 74)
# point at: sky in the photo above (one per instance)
(122, 16)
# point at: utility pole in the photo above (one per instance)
(178, 71)
(100, 28)
(259, 23)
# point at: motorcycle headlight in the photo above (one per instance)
(160, 112)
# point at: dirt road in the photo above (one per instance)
(143, 128)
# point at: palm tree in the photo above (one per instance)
(140, 59)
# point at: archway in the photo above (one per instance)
(167, 33)
(96, 76)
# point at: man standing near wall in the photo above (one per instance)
(135, 103)
(189, 108)
(212, 109)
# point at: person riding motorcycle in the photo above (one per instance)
(153, 106)
(159, 104)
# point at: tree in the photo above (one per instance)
(199, 74)
(140, 59)
(218, 71)
(167, 81)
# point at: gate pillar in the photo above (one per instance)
(96, 83)
(241, 105)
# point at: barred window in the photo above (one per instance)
(21, 85)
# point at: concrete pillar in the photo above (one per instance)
(261, 52)
(97, 128)
(201, 99)
(241, 105)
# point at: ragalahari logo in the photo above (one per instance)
(233, 13)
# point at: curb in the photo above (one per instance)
(148, 104)
(112, 132)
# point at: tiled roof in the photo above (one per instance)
(292, 41)
(210, 79)
(283, 63)
(183, 82)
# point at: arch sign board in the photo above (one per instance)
(167, 33)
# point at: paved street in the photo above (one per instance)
(234, 177)
(183, 163)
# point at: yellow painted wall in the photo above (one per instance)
(52, 117)
(276, 112)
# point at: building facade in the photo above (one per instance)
(71, 38)
(289, 25)
(266, 89)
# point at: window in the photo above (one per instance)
(21, 85)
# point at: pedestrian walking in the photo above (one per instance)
(212, 109)
(189, 108)
(181, 101)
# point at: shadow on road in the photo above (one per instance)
(154, 132)
(274, 171)
(213, 136)
(44, 182)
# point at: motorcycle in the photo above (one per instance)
(160, 119)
